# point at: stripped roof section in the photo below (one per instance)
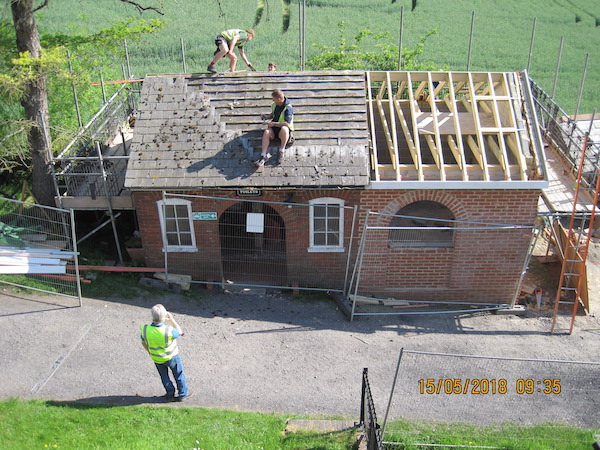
(204, 131)
(452, 126)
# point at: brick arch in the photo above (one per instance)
(449, 201)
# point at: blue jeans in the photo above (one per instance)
(177, 369)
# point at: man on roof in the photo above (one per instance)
(280, 124)
(226, 43)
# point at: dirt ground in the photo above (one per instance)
(275, 353)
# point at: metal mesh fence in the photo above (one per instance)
(241, 242)
(37, 249)
(487, 390)
(421, 264)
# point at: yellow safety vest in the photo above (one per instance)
(230, 34)
(161, 345)
(282, 115)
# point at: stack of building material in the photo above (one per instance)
(33, 260)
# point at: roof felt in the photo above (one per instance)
(204, 131)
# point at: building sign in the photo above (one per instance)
(249, 192)
(255, 223)
(204, 216)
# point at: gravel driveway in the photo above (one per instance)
(273, 353)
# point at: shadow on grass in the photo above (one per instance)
(111, 401)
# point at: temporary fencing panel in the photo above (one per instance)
(408, 264)
(482, 389)
(246, 242)
(38, 249)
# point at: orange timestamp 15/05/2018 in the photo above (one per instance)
(483, 386)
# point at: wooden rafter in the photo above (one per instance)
(435, 147)
(394, 155)
(480, 144)
(499, 151)
(514, 140)
(413, 113)
(374, 160)
(457, 149)
(407, 136)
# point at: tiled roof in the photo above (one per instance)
(204, 131)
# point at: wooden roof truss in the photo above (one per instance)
(447, 126)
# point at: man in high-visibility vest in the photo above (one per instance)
(226, 43)
(280, 124)
(160, 340)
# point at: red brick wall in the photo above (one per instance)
(482, 266)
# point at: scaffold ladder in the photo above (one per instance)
(576, 244)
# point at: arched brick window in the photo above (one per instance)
(422, 224)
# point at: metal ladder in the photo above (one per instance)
(577, 244)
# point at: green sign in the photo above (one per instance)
(204, 215)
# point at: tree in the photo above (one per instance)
(370, 51)
(35, 95)
(35, 102)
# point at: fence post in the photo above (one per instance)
(581, 84)
(400, 39)
(560, 49)
(346, 287)
(470, 41)
(183, 56)
(102, 85)
(74, 89)
(127, 59)
(392, 393)
(362, 396)
(76, 256)
(531, 44)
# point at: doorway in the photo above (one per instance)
(253, 246)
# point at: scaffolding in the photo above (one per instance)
(89, 174)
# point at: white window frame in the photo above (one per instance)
(163, 229)
(326, 201)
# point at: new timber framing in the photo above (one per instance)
(453, 130)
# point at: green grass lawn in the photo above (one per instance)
(502, 34)
(38, 424)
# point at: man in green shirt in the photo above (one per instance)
(226, 42)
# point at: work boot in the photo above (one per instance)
(182, 399)
(290, 141)
(211, 68)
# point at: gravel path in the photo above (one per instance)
(272, 353)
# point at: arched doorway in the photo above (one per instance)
(253, 249)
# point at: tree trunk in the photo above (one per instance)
(35, 103)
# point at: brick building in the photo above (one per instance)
(408, 150)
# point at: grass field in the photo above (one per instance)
(502, 34)
(68, 425)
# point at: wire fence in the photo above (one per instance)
(38, 249)
(407, 263)
(487, 390)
